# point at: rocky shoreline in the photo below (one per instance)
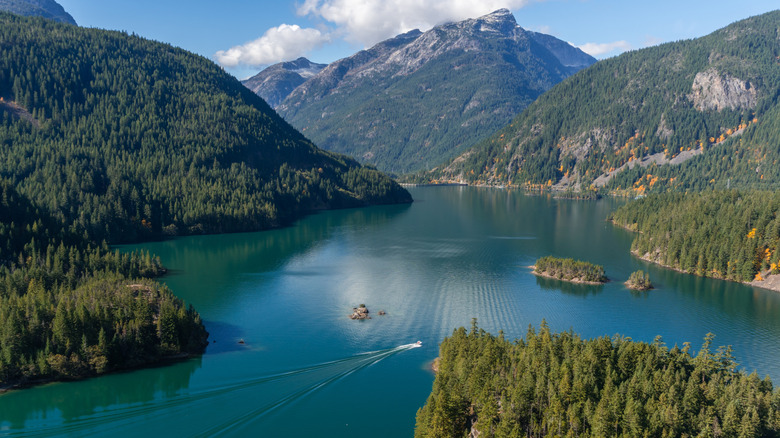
(576, 280)
(769, 282)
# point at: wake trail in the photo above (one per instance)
(363, 361)
(312, 378)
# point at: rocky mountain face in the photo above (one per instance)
(689, 115)
(39, 8)
(713, 91)
(567, 54)
(276, 82)
(415, 100)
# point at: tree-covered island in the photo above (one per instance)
(568, 269)
(70, 308)
(639, 280)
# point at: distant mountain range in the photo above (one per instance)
(276, 82)
(415, 100)
(38, 8)
(692, 114)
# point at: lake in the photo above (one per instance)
(305, 369)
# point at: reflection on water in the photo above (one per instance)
(82, 400)
(568, 287)
(457, 253)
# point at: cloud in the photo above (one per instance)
(281, 43)
(600, 49)
(367, 22)
(543, 29)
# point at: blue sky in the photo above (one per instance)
(244, 35)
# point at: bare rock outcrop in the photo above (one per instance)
(714, 91)
(360, 312)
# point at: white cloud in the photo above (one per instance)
(367, 22)
(281, 43)
(599, 49)
(543, 29)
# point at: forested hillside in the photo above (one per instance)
(106, 137)
(723, 234)
(557, 384)
(69, 308)
(711, 101)
(125, 139)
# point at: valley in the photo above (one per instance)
(180, 249)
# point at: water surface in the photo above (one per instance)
(457, 253)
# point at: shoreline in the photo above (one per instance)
(574, 280)
(163, 361)
(770, 282)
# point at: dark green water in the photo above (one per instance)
(305, 369)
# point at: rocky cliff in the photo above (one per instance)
(714, 91)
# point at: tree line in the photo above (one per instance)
(128, 139)
(569, 269)
(69, 308)
(557, 384)
(726, 234)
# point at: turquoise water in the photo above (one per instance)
(306, 369)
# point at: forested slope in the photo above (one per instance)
(723, 234)
(714, 96)
(126, 139)
(557, 384)
(105, 138)
(70, 308)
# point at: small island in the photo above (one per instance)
(639, 280)
(360, 312)
(575, 271)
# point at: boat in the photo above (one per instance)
(418, 343)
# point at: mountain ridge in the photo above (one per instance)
(41, 8)
(693, 102)
(150, 140)
(276, 82)
(411, 101)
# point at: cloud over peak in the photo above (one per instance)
(280, 43)
(361, 22)
(368, 22)
(599, 49)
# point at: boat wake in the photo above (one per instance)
(235, 404)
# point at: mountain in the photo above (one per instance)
(127, 139)
(693, 114)
(39, 8)
(279, 80)
(412, 101)
(106, 138)
(567, 54)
